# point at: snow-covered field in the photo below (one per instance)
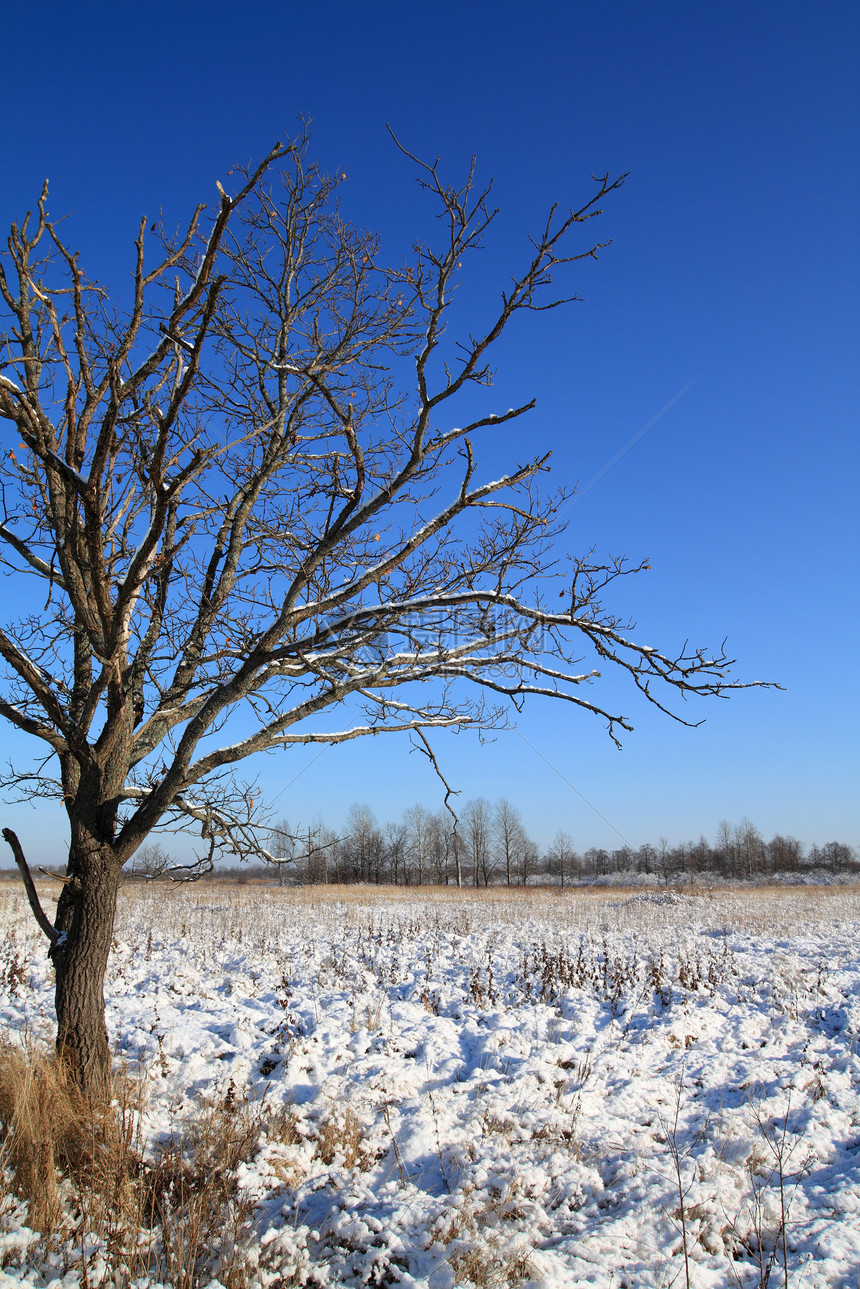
(556, 1089)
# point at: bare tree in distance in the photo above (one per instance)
(477, 831)
(562, 860)
(365, 845)
(222, 498)
(395, 838)
(283, 846)
(151, 861)
(511, 840)
(417, 822)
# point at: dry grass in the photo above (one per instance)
(479, 1250)
(756, 910)
(49, 1132)
(342, 1140)
(173, 1213)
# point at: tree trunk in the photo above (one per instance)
(85, 919)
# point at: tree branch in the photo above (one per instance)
(32, 894)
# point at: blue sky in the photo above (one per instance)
(734, 266)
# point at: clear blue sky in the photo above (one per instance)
(734, 264)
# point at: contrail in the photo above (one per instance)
(572, 786)
(628, 446)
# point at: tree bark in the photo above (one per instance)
(85, 919)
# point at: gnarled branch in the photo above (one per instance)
(29, 886)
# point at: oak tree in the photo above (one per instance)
(239, 492)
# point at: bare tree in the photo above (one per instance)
(752, 848)
(364, 845)
(322, 851)
(221, 494)
(784, 853)
(836, 856)
(562, 860)
(510, 837)
(477, 826)
(152, 860)
(700, 855)
(418, 843)
(665, 860)
(529, 859)
(727, 848)
(440, 847)
(395, 844)
(283, 847)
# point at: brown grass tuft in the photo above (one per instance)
(174, 1213)
(342, 1138)
(48, 1131)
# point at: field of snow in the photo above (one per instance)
(587, 1088)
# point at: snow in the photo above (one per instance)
(67, 470)
(530, 1072)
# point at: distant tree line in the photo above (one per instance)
(491, 846)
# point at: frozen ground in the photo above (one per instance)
(501, 1088)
